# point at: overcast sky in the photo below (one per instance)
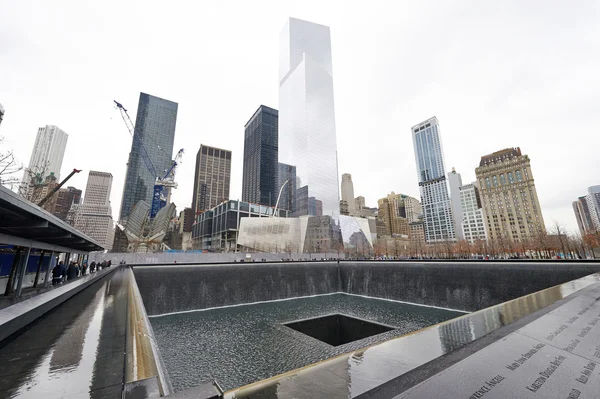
(497, 74)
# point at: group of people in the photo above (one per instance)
(63, 273)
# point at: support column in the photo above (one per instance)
(22, 272)
(39, 268)
(49, 268)
(13, 271)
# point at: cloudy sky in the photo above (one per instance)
(497, 74)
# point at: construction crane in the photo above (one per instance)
(51, 193)
(159, 199)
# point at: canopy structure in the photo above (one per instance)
(26, 224)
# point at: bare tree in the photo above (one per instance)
(9, 166)
(560, 232)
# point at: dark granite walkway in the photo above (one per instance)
(76, 350)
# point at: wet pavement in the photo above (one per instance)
(76, 350)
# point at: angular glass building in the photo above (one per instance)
(155, 132)
(308, 234)
(259, 183)
(307, 138)
(433, 185)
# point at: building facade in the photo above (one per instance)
(65, 198)
(154, 135)
(307, 134)
(94, 215)
(211, 178)
(433, 186)
(348, 191)
(260, 169)
(587, 211)
(509, 198)
(583, 216)
(397, 212)
(455, 183)
(287, 180)
(46, 157)
(216, 229)
(473, 223)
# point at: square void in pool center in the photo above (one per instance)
(338, 329)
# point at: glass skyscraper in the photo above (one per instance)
(155, 132)
(307, 138)
(433, 185)
(259, 183)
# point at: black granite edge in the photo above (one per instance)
(247, 264)
(392, 388)
(16, 324)
(163, 379)
(483, 261)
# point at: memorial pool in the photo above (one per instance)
(238, 345)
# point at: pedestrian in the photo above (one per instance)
(109, 263)
(72, 272)
(64, 272)
(93, 267)
(84, 269)
(57, 273)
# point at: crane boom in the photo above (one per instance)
(137, 139)
(51, 193)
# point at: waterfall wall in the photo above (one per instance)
(465, 286)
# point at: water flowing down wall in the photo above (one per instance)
(464, 286)
(467, 286)
(167, 289)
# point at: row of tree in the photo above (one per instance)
(544, 245)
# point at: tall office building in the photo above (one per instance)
(211, 179)
(437, 213)
(509, 197)
(455, 182)
(587, 211)
(287, 173)
(260, 182)
(473, 223)
(154, 134)
(307, 137)
(47, 155)
(94, 216)
(469, 220)
(348, 191)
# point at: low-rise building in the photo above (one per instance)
(217, 229)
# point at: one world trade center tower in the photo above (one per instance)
(307, 138)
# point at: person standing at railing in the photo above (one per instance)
(57, 273)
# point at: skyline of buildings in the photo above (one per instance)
(152, 143)
(212, 178)
(307, 133)
(260, 165)
(450, 210)
(433, 186)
